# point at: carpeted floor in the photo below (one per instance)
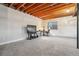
(42, 46)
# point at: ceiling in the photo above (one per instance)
(45, 11)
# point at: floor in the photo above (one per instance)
(42, 46)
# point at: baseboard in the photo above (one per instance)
(3, 43)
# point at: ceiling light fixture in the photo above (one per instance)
(67, 11)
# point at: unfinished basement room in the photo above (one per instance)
(38, 29)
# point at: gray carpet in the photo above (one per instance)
(42, 46)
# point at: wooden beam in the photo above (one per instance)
(11, 5)
(59, 13)
(28, 6)
(64, 7)
(36, 7)
(21, 6)
(51, 10)
(42, 8)
(47, 9)
(58, 16)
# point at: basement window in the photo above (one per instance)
(53, 25)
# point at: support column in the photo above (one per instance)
(78, 25)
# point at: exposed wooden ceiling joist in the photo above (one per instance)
(11, 5)
(38, 9)
(21, 6)
(48, 9)
(35, 8)
(29, 6)
(45, 10)
(46, 13)
(60, 13)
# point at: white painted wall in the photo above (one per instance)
(67, 26)
(12, 23)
